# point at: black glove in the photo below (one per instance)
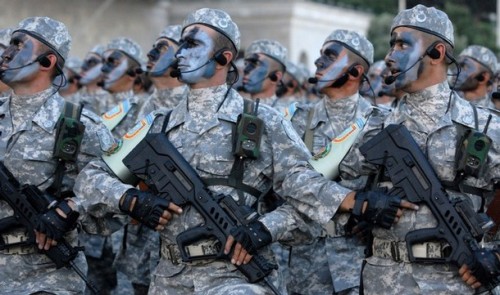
(487, 269)
(147, 209)
(252, 237)
(53, 225)
(381, 208)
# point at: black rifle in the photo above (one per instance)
(413, 177)
(28, 202)
(170, 176)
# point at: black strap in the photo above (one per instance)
(165, 122)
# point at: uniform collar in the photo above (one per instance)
(342, 110)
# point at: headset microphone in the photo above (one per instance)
(390, 79)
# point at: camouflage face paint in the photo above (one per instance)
(17, 58)
(469, 71)
(161, 57)
(255, 72)
(195, 55)
(115, 66)
(331, 64)
(403, 56)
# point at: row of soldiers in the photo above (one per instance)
(341, 234)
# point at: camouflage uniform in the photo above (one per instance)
(27, 142)
(433, 116)
(310, 272)
(203, 135)
(166, 99)
(297, 74)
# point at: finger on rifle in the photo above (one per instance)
(166, 215)
(236, 253)
(244, 257)
(174, 208)
(408, 205)
(229, 244)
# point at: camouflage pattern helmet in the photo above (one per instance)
(50, 32)
(296, 72)
(74, 64)
(353, 41)
(171, 32)
(270, 48)
(482, 55)
(216, 19)
(5, 36)
(98, 49)
(426, 19)
(127, 46)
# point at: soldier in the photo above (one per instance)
(91, 95)
(421, 49)
(476, 77)
(200, 127)
(122, 64)
(265, 64)
(345, 57)
(161, 59)
(35, 56)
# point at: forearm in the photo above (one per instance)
(98, 190)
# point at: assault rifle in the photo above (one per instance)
(170, 176)
(457, 224)
(28, 202)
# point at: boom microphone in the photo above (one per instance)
(390, 79)
(175, 73)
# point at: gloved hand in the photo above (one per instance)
(143, 206)
(53, 225)
(487, 268)
(381, 208)
(252, 237)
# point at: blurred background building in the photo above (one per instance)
(301, 25)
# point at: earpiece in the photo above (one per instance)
(353, 71)
(44, 61)
(480, 77)
(432, 52)
(220, 58)
(131, 72)
(273, 77)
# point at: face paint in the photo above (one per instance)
(160, 58)
(195, 56)
(91, 69)
(18, 57)
(255, 73)
(331, 64)
(115, 66)
(406, 49)
(469, 71)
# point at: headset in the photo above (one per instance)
(338, 82)
(218, 57)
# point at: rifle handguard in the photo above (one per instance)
(381, 208)
(147, 209)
